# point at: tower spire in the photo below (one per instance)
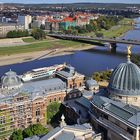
(129, 53)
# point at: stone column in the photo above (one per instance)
(137, 133)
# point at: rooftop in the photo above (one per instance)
(68, 72)
(81, 105)
(125, 80)
(126, 113)
(65, 133)
(34, 89)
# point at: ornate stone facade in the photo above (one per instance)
(23, 104)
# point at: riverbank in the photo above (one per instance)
(116, 31)
(31, 56)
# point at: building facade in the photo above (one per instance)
(25, 21)
(23, 104)
(5, 28)
(116, 111)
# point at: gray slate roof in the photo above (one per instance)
(65, 136)
(91, 83)
(47, 85)
(35, 88)
(127, 113)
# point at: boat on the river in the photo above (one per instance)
(44, 72)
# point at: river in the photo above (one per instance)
(85, 62)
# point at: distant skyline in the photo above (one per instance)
(70, 1)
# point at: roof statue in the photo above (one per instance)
(129, 52)
(62, 123)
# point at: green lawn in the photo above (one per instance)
(116, 32)
(39, 46)
(33, 40)
(119, 30)
(28, 39)
(126, 21)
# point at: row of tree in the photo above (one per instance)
(35, 129)
(17, 33)
(38, 34)
(102, 76)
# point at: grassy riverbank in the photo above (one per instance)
(50, 43)
(119, 30)
(40, 46)
(115, 31)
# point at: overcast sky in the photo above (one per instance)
(69, 1)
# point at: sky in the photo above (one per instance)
(69, 1)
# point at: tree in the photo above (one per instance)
(17, 135)
(52, 110)
(103, 75)
(136, 59)
(98, 34)
(38, 34)
(35, 129)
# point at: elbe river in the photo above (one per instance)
(85, 62)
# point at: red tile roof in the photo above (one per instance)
(69, 19)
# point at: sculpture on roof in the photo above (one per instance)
(129, 52)
(62, 123)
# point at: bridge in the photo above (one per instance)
(112, 42)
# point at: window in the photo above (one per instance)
(129, 130)
(59, 98)
(20, 99)
(50, 100)
(120, 97)
(37, 120)
(2, 120)
(55, 99)
(70, 86)
(38, 112)
(103, 115)
(69, 96)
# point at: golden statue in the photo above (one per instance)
(129, 52)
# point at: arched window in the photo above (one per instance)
(38, 112)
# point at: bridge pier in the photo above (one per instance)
(113, 47)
